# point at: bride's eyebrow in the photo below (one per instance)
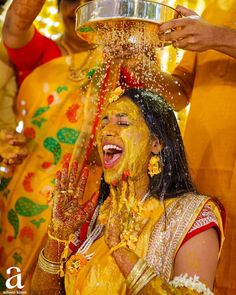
(105, 118)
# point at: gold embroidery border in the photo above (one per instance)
(170, 230)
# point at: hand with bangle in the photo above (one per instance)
(69, 213)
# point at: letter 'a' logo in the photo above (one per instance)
(15, 278)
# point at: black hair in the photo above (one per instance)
(175, 178)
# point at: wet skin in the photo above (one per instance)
(124, 141)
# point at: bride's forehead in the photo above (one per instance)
(122, 105)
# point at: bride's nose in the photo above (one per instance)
(110, 130)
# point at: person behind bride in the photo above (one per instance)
(151, 232)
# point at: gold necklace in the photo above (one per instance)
(77, 74)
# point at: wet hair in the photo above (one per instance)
(175, 179)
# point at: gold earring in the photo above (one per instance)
(154, 166)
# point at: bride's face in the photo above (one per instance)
(124, 141)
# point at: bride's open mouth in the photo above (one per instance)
(111, 154)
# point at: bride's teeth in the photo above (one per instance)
(111, 146)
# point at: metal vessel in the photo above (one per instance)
(131, 20)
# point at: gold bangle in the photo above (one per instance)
(147, 276)
(56, 239)
(135, 273)
(138, 276)
(47, 265)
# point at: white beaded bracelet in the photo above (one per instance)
(193, 283)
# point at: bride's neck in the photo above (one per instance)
(141, 186)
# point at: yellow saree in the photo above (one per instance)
(58, 114)
(101, 274)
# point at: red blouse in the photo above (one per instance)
(39, 50)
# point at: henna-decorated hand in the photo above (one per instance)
(12, 147)
(116, 218)
(125, 222)
(68, 213)
(114, 229)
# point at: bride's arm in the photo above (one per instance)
(198, 256)
(68, 215)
